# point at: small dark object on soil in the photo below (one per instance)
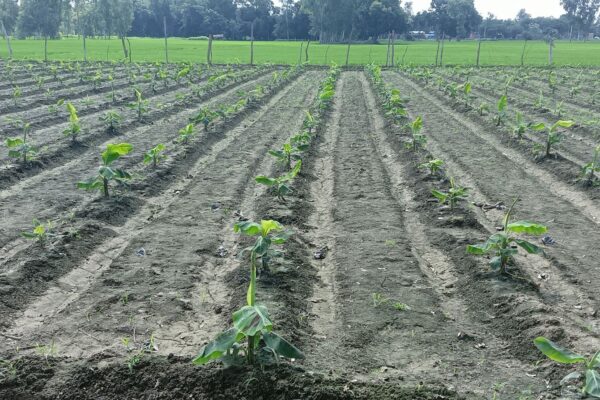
(141, 252)
(548, 240)
(486, 206)
(238, 214)
(215, 206)
(321, 253)
(222, 251)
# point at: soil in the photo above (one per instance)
(374, 286)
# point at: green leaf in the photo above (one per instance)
(92, 184)
(114, 151)
(477, 249)
(270, 225)
(563, 124)
(265, 180)
(248, 228)
(439, 195)
(595, 361)
(281, 346)
(527, 227)
(13, 142)
(496, 263)
(538, 127)
(502, 103)
(529, 247)
(592, 383)
(251, 320)
(557, 353)
(215, 349)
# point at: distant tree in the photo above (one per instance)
(9, 12)
(584, 12)
(122, 18)
(40, 17)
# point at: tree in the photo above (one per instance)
(582, 11)
(40, 17)
(122, 20)
(9, 12)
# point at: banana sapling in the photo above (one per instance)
(154, 156)
(454, 194)
(553, 134)
(74, 128)
(280, 185)
(106, 171)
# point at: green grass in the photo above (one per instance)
(422, 52)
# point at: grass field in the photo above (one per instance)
(149, 50)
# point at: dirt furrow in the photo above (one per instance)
(132, 295)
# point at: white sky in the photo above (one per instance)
(506, 8)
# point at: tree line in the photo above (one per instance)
(323, 20)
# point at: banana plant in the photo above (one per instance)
(74, 128)
(186, 133)
(454, 194)
(252, 322)
(561, 355)
(204, 117)
(112, 120)
(140, 105)
(501, 244)
(553, 133)
(418, 139)
(520, 126)
(155, 155)
(589, 170)
(280, 185)
(466, 92)
(501, 110)
(309, 122)
(288, 153)
(483, 109)
(106, 171)
(17, 94)
(20, 148)
(434, 166)
(40, 232)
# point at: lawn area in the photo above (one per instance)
(421, 52)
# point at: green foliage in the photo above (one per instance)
(434, 166)
(466, 92)
(204, 117)
(186, 133)
(501, 244)
(106, 172)
(17, 94)
(140, 105)
(553, 134)
(501, 110)
(483, 108)
(418, 139)
(112, 120)
(289, 153)
(394, 106)
(520, 126)
(561, 355)
(155, 155)
(40, 231)
(454, 194)
(74, 128)
(19, 147)
(252, 322)
(280, 185)
(589, 170)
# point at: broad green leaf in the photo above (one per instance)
(251, 320)
(538, 127)
(270, 225)
(502, 103)
(13, 142)
(281, 346)
(595, 361)
(527, 227)
(215, 349)
(90, 185)
(248, 228)
(529, 247)
(15, 153)
(261, 246)
(265, 180)
(496, 263)
(592, 383)
(114, 151)
(563, 124)
(557, 353)
(29, 235)
(439, 195)
(477, 249)
(277, 153)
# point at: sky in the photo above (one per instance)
(506, 8)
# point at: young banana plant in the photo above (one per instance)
(466, 92)
(140, 105)
(155, 155)
(501, 110)
(74, 128)
(418, 139)
(280, 185)
(501, 244)
(434, 166)
(520, 126)
(204, 117)
(252, 322)
(186, 133)
(591, 386)
(553, 133)
(589, 170)
(454, 194)
(106, 171)
(112, 120)
(20, 148)
(288, 153)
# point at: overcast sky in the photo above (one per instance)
(507, 8)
